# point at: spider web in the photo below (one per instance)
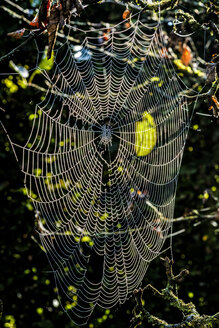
(102, 161)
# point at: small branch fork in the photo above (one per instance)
(210, 95)
(191, 317)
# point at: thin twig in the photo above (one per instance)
(26, 11)
(31, 36)
(14, 14)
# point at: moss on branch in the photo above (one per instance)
(191, 317)
(155, 5)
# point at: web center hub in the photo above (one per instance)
(106, 135)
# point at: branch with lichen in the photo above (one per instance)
(191, 317)
(156, 5)
(205, 20)
(211, 95)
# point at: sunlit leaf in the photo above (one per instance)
(45, 64)
(145, 135)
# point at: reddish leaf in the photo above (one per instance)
(105, 36)
(127, 25)
(214, 98)
(164, 52)
(35, 21)
(48, 6)
(17, 34)
(186, 55)
(214, 106)
(44, 13)
(126, 14)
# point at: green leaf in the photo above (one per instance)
(145, 135)
(45, 64)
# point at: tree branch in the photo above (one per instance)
(191, 317)
(155, 5)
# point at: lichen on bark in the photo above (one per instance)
(191, 317)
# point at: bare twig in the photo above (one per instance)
(25, 11)
(12, 52)
(14, 14)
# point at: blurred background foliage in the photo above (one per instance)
(26, 285)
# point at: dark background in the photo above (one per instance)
(26, 286)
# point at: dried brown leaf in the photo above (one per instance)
(211, 72)
(44, 13)
(52, 28)
(17, 34)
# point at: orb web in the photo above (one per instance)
(102, 161)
